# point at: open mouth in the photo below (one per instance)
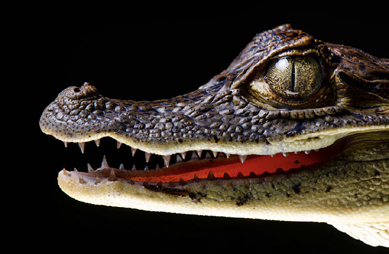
(192, 166)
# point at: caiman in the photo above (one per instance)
(295, 129)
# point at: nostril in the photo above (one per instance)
(76, 90)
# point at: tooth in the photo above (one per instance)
(75, 170)
(211, 176)
(133, 167)
(272, 155)
(159, 184)
(104, 163)
(97, 180)
(121, 167)
(65, 172)
(90, 169)
(82, 146)
(118, 145)
(226, 176)
(183, 155)
(242, 158)
(214, 154)
(112, 175)
(97, 142)
(228, 155)
(157, 166)
(296, 152)
(194, 156)
(285, 154)
(279, 170)
(316, 150)
(146, 168)
(199, 153)
(240, 175)
(82, 181)
(133, 150)
(207, 156)
(182, 182)
(166, 160)
(307, 152)
(65, 143)
(147, 156)
(195, 178)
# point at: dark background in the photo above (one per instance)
(147, 61)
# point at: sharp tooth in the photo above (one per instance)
(214, 154)
(211, 176)
(208, 156)
(82, 146)
(157, 166)
(146, 184)
(226, 176)
(65, 172)
(97, 142)
(307, 152)
(121, 167)
(118, 145)
(182, 182)
(183, 155)
(228, 155)
(146, 168)
(104, 163)
(75, 170)
(133, 167)
(97, 180)
(240, 175)
(242, 158)
(82, 181)
(65, 143)
(133, 151)
(316, 150)
(199, 153)
(90, 169)
(285, 154)
(112, 175)
(272, 155)
(195, 178)
(166, 160)
(147, 156)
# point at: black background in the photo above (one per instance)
(147, 61)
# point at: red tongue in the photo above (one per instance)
(258, 164)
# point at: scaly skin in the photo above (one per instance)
(244, 111)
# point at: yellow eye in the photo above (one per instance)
(294, 78)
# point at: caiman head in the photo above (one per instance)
(294, 129)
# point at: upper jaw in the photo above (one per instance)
(195, 122)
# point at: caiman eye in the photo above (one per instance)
(294, 78)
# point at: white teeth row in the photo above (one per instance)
(166, 158)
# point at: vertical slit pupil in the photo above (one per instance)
(293, 77)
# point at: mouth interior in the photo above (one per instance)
(219, 167)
